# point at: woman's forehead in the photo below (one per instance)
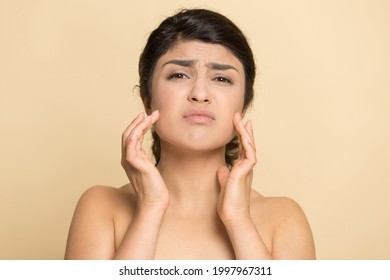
(194, 51)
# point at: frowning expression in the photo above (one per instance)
(197, 87)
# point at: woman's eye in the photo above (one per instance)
(177, 76)
(223, 80)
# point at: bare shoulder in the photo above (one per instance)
(277, 207)
(104, 202)
(106, 197)
(291, 233)
(92, 231)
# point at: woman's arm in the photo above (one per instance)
(140, 240)
(92, 233)
(234, 199)
(292, 238)
(246, 241)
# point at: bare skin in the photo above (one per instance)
(186, 230)
(189, 206)
(202, 236)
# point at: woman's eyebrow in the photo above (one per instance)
(192, 62)
(181, 62)
(221, 67)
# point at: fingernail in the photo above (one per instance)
(141, 115)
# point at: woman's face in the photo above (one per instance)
(197, 87)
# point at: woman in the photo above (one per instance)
(196, 201)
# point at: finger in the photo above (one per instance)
(133, 143)
(237, 121)
(134, 122)
(241, 152)
(248, 143)
(249, 128)
(152, 118)
(134, 154)
(126, 133)
(245, 133)
(141, 117)
(242, 129)
(142, 126)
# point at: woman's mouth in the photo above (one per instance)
(199, 116)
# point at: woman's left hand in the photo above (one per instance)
(236, 184)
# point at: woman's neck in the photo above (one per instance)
(191, 177)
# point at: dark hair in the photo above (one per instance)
(206, 26)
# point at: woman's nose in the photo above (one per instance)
(200, 92)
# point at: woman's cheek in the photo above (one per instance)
(232, 131)
(162, 126)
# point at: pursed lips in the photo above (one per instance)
(199, 116)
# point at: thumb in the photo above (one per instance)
(223, 174)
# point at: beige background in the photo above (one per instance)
(321, 114)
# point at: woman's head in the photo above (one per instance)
(201, 25)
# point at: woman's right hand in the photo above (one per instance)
(146, 180)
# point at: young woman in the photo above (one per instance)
(196, 200)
